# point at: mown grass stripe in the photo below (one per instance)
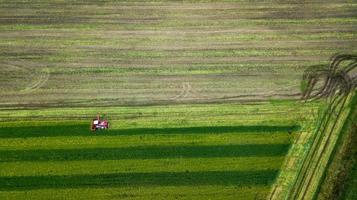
(146, 152)
(142, 193)
(238, 178)
(29, 168)
(103, 141)
(76, 115)
(80, 130)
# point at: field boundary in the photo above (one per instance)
(335, 175)
(311, 167)
(325, 138)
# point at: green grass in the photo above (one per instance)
(77, 130)
(82, 167)
(147, 192)
(236, 178)
(144, 157)
(149, 152)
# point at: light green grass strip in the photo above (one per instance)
(168, 116)
(139, 165)
(172, 110)
(141, 193)
(82, 142)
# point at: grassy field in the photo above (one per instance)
(158, 52)
(224, 151)
(201, 95)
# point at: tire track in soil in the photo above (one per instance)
(340, 85)
(309, 178)
(189, 93)
(183, 93)
(41, 78)
(307, 163)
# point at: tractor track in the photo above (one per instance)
(41, 77)
(307, 162)
(327, 142)
(338, 85)
(188, 91)
(334, 78)
(185, 91)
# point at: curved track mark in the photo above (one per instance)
(43, 78)
(185, 91)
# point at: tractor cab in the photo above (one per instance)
(99, 124)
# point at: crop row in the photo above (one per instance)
(236, 178)
(146, 152)
(83, 167)
(73, 130)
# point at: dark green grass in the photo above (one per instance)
(237, 178)
(146, 152)
(83, 130)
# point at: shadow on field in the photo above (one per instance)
(83, 130)
(238, 178)
(145, 152)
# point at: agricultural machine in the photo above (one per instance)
(99, 124)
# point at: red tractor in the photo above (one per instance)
(99, 124)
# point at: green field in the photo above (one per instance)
(202, 97)
(226, 151)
